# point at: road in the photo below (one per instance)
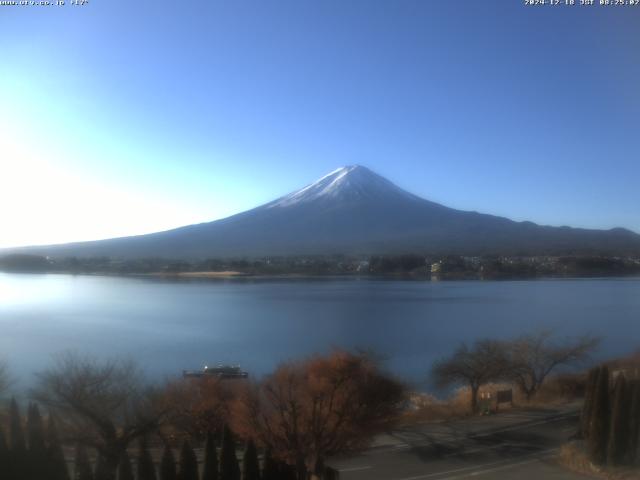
(517, 444)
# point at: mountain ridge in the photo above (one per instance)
(353, 210)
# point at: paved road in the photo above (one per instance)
(517, 444)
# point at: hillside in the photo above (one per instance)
(352, 210)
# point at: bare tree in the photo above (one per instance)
(199, 406)
(324, 406)
(474, 366)
(533, 357)
(104, 405)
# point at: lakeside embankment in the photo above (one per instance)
(409, 266)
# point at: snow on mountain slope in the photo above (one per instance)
(353, 182)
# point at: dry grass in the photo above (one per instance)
(573, 457)
(556, 391)
(427, 408)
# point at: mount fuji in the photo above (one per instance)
(352, 210)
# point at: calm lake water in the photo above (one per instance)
(170, 325)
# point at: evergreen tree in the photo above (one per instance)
(229, 469)
(19, 467)
(146, 469)
(319, 468)
(600, 416)
(16, 434)
(619, 431)
(125, 472)
(269, 466)
(4, 454)
(101, 469)
(587, 407)
(250, 465)
(168, 465)
(286, 472)
(35, 430)
(56, 462)
(37, 465)
(634, 421)
(210, 468)
(82, 470)
(188, 462)
(330, 474)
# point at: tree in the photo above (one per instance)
(146, 468)
(600, 417)
(330, 474)
(188, 462)
(634, 421)
(229, 469)
(587, 407)
(4, 453)
(56, 460)
(18, 464)
(168, 465)
(125, 472)
(269, 466)
(485, 362)
(286, 471)
(101, 469)
(38, 461)
(16, 434)
(250, 465)
(198, 406)
(618, 445)
(319, 407)
(35, 430)
(105, 405)
(82, 470)
(534, 357)
(210, 468)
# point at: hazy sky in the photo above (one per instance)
(124, 117)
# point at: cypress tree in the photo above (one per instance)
(125, 472)
(286, 471)
(319, 468)
(168, 465)
(4, 454)
(229, 469)
(146, 469)
(599, 425)
(101, 469)
(82, 470)
(250, 465)
(17, 446)
(38, 467)
(330, 474)
(16, 434)
(35, 430)
(619, 430)
(210, 468)
(188, 462)
(269, 466)
(56, 462)
(587, 407)
(634, 420)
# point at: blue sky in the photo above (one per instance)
(121, 117)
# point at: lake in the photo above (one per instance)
(171, 325)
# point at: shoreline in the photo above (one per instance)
(232, 275)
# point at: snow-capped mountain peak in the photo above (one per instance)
(351, 182)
